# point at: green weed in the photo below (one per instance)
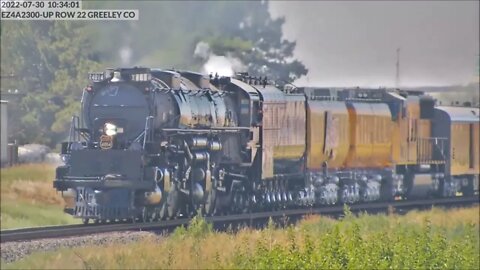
(419, 240)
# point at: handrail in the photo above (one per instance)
(76, 134)
(73, 134)
(431, 149)
(148, 132)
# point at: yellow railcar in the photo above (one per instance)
(283, 129)
(371, 130)
(328, 139)
(461, 126)
(414, 133)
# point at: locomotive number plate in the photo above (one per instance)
(106, 142)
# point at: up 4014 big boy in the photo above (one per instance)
(155, 144)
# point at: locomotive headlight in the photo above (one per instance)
(117, 76)
(110, 129)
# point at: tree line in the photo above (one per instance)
(51, 59)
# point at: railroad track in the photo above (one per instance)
(249, 219)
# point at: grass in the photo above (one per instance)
(443, 239)
(29, 199)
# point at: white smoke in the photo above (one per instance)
(222, 65)
(202, 50)
(125, 55)
(217, 64)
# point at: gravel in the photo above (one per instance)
(13, 251)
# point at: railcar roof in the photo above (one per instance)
(397, 96)
(461, 114)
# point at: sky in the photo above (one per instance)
(354, 43)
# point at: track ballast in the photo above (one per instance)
(26, 234)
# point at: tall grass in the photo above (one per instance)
(416, 240)
(29, 199)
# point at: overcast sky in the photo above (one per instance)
(354, 43)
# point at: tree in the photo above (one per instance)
(52, 58)
(51, 61)
(168, 32)
(258, 43)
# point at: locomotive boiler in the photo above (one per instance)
(155, 144)
(150, 140)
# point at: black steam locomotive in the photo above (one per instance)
(155, 144)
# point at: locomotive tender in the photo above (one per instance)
(155, 144)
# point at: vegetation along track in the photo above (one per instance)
(248, 218)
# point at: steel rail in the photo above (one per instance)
(80, 229)
(24, 234)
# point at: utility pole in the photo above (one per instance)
(397, 75)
